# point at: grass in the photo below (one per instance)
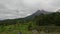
(16, 28)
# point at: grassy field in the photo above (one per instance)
(14, 29)
(23, 28)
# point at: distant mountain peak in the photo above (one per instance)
(38, 12)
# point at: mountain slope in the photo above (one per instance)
(37, 13)
(40, 18)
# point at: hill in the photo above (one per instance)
(41, 18)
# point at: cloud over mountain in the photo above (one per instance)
(9, 8)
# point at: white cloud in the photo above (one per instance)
(49, 5)
(9, 8)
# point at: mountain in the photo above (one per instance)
(45, 19)
(40, 17)
(26, 19)
(37, 13)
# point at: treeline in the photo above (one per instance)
(11, 21)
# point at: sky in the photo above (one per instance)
(10, 9)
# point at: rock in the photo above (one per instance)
(34, 31)
(19, 32)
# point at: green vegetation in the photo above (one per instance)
(13, 29)
(43, 22)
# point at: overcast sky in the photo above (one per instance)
(21, 8)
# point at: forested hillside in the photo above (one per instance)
(41, 20)
(48, 19)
